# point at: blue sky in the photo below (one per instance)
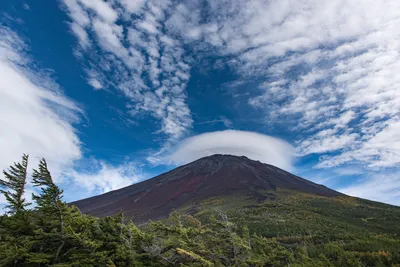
(115, 92)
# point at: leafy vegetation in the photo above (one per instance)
(281, 229)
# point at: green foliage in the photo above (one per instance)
(290, 229)
(341, 231)
(13, 186)
(50, 199)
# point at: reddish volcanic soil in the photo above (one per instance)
(210, 176)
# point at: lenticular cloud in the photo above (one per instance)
(255, 146)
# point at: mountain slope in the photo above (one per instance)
(217, 175)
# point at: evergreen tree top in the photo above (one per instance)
(51, 195)
(13, 186)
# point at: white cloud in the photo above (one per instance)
(147, 65)
(379, 150)
(379, 187)
(227, 122)
(132, 6)
(109, 38)
(82, 35)
(79, 15)
(95, 79)
(221, 119)
(326, 144)
(96, 84)
(149, 27)
(102, 177)
(348, 171)
(102, 9)
(35, 117)
(255, 146)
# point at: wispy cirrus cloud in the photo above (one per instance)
(378, 187)
(125, 41)
(220, 119)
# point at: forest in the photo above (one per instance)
(290, 230)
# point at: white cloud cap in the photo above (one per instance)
(253, 145)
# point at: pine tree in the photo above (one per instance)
(16, 226)
(50, 199)
(14, 186)
(51, 209)
(64, 234)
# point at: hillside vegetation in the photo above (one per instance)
(281, 228)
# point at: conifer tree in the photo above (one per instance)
(63, 234)
(50, 199)
(15, 226)
(50, 207)
(14, 186)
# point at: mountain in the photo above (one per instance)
(234, 204)
(189, 185)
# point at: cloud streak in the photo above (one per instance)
(378, 187)
(35, 117)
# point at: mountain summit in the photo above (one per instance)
(207, 177)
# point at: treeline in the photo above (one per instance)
(54, 233)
